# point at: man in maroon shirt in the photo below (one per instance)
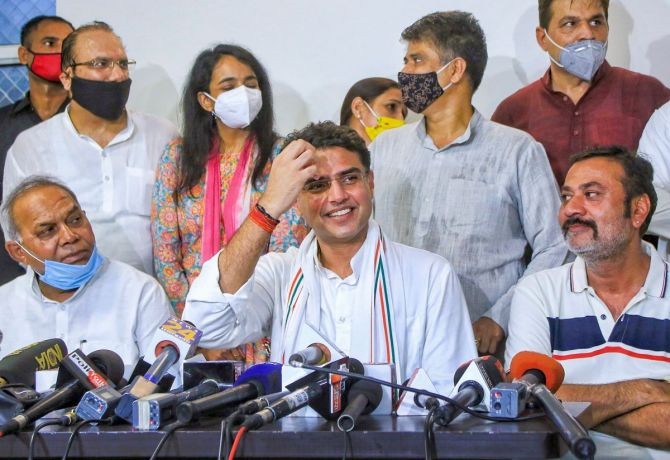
(581, 101)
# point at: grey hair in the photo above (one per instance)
(26, 185)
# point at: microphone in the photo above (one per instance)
(315, 354)
(537, 376)
(258, 380)
(320, 390)
(472, 383)
(65, 395)
(173, 340)
(364, 397)
(20, 366)
(151, 412)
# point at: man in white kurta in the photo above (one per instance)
(70, 291)
(376, 300)
(108, 159)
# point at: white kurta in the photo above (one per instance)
(433, 329)
(119, 309)
(113, 184)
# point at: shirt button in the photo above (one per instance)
(575, 132)
(106, 178)
(577, 113)
(565, 98)
(603, 317)
(341, 319)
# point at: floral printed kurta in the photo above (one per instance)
(177, 222)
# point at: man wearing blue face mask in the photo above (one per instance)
(70, 290)
(106, 153)
(581, 101)
(478, 193)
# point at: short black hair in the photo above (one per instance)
(545, 13)
(67, 53)
(637, 179)
(454, 34)
(30, 26)
(326, 134)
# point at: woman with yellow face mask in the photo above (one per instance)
(372, 106)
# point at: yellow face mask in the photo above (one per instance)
(383, 124)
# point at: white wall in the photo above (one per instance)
(315, 49)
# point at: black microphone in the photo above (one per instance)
(320, 390)
(258, 380)
(19, 366)
(473, 381)
(67, 394)
(533, 373)
(288, 404)
(315, 354)
(364, 397)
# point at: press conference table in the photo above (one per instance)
(374, 437)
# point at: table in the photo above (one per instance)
(293, 437)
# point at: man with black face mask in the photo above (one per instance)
(581, 101)
(41, 40)
(104, 152)
(478, 193)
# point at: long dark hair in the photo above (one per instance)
(199, 127)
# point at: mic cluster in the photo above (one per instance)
(336, 390)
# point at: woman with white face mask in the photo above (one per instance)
(372, 106)
(211, 179)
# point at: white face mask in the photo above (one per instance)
(238, 107)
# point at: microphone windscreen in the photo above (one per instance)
(268, 375)
(20, 365)
(355, 366)
(109, 363)
(526, 361)
(371, 390)
(488, 365)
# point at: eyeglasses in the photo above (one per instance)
(347, 180)
(107, 64)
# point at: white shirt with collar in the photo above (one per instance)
(557, 313)
(119, 309)
(113, 184)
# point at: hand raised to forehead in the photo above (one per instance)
(290, 170)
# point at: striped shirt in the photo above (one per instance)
(557, 313)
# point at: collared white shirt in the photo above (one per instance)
(432, 321)
(557, 313)
(119, 309)
(113, 184)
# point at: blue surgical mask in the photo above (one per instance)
(68, 276)
(582, 58)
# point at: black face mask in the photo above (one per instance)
(105, 99)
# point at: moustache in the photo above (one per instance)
(576, 220)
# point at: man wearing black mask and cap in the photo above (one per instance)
(40, 51)
(104, 152)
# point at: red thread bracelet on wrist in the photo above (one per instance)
(260, 217)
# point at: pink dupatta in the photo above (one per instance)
(233, 214)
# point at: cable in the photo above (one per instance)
(226, 436)
(31, 444)
(421, 392)
(348, 446)
(79, 426)
(236, 444)
(222, 440)
(429, 435)
(169, 429)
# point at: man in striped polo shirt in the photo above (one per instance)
(606, 316)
